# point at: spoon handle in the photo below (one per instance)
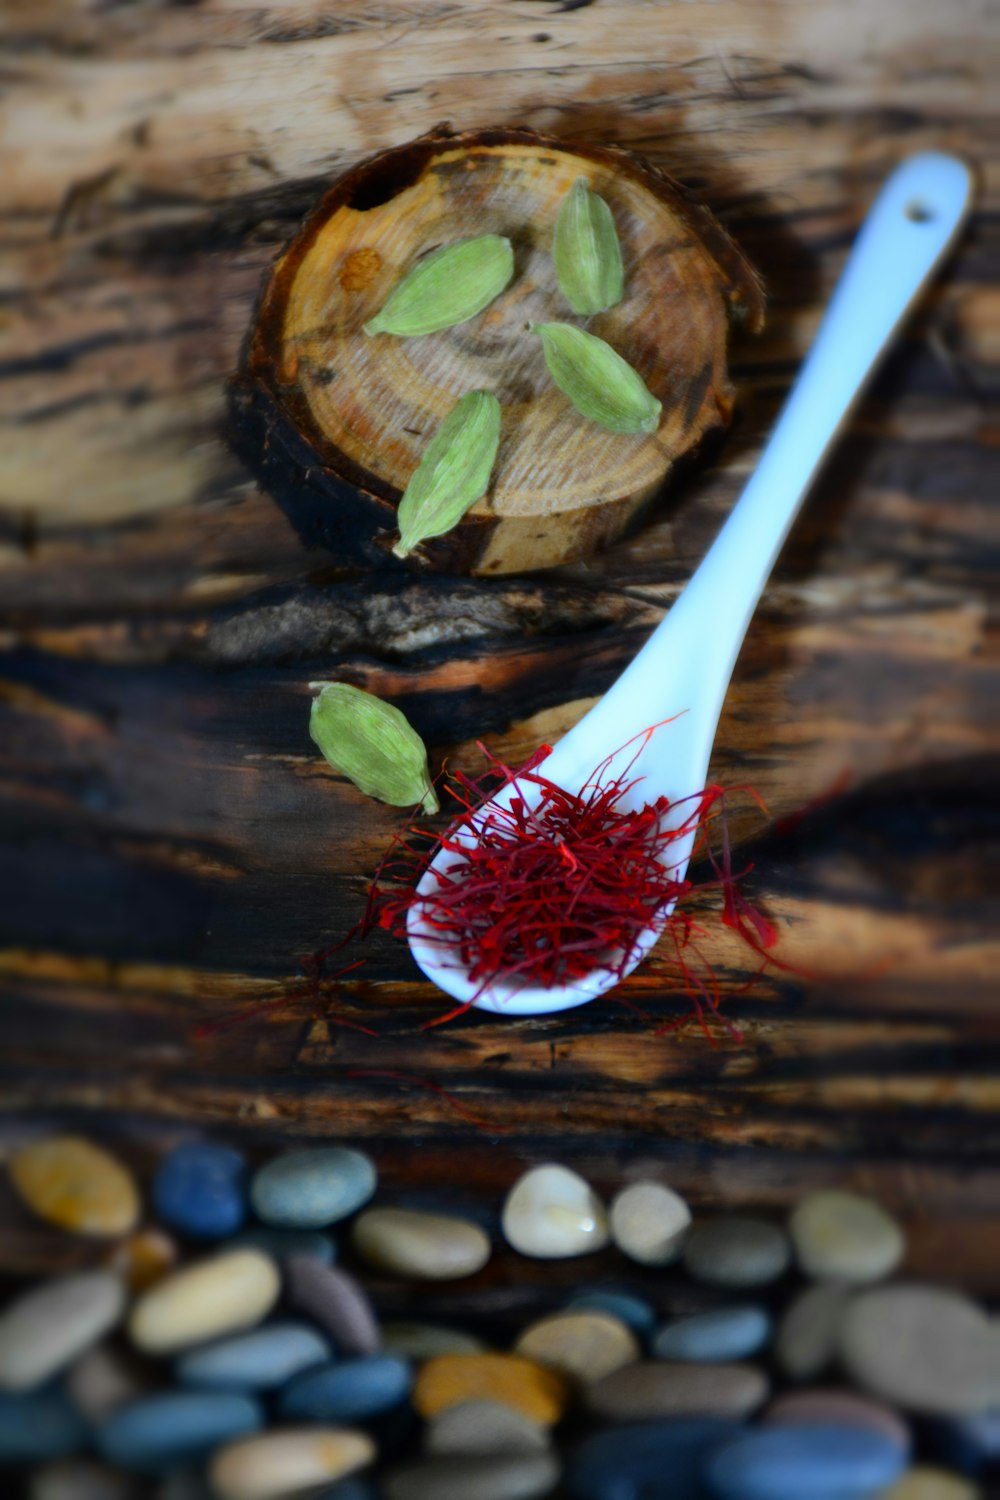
(907, 232)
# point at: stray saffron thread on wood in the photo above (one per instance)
(431, 1087)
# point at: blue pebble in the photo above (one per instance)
(42, 1425)
(822, 1461)
(722, 1334)
(348, 1391)
(635, 1312)
(256, 1361)
(970, 1443)
(648, 1460)
(312, 1188)
(200, 1190)
(157, 1433)
(281, 1243)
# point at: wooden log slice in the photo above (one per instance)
(335, 421)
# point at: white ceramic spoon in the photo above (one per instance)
(687, 662)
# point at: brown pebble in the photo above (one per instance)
(539, 1393)
(105, 1378)
(335, 1301)
(840, 1408)
(925, 1483)
(662, 1388)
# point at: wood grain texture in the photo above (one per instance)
(169, 844)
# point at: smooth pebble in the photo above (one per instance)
(277, 1464)
(635, 1312)
(351, 1390)
(256, 1361)
(841, 1236)
(313, 1187)
(789, 1463)
(79, 1186)
(538, 1392)
(839, 1408)
(483, 1427)
(518, 1476)
(648, 1223)
(45, 1329)
(737, 1252)
(586, 1346)
(143, 1259)
(40, 1426)
(724, 1333)
(200, 1189)
(968, 1443)
(81, 1479)
(660, 1388)
(922, 1347)
(926, 1483)
(105, 1378)
(334, 1300)
(175, 1427)
(426, 1340)
(281, 1243)
(809, 1330)
(230, 1291)
(647, 1460)
(420, 1246)
(552, 1213)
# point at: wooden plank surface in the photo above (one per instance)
(169, 844)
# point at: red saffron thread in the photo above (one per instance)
(558, 883)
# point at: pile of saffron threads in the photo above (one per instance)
(554, 885)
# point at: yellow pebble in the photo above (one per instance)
(144, 1258)
(443, 1382)
(73, 1183)
(583, 1346)
(923, 1483)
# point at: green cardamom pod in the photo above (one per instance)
(601, 385)
(372, 744)
(453, 472)
(448, 286)
(586, 252)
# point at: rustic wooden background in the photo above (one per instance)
(169, 842)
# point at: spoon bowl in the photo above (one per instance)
(684, 668)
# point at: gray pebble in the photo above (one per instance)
(43, 1330)
(810, 1326)
(922, 1347)
(105, 1378)
(519, 1476)
(335, 1301)
(483, 1427)
(660, 1388)
(428, 1340)
(737, 1252)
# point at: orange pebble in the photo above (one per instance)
(143, 1258)
(73, 1183)
(450, 1378)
